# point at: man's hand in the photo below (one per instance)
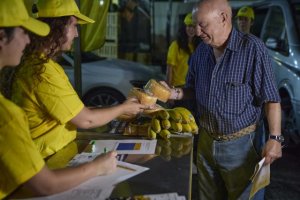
(272, 151)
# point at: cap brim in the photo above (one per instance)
(36, 26)
(82, 19)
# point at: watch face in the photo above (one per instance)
(278, 138)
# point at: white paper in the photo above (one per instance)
(125, 146)
(97, 188)
(260, 177)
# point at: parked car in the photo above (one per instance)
(106, 81)
(277, 23)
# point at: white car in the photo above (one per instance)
(107, 81)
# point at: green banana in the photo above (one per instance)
(165, 124)
(177, 127)
(165, 134)
(186, 128)
(155, 125)
(175, 115)
(187, 116)
(194, 127)
(151, 133)
(162, 114)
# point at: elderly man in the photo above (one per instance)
(231, 77)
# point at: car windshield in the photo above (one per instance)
(296, 13)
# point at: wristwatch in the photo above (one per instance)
(278, 138)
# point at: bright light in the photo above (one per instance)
(101, 2)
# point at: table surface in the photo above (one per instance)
(170, 166)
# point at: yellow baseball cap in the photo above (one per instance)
(246, 11)
(188, 20)
(13, 13)
(60, 8)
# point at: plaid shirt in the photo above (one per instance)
(230, 94)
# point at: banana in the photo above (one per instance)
(162, 114)
(186, 128)
(177, 127)
(165, 134)
(165, 124)
(151, 133)
(194, 127)
(187, 116)
(175, 115)
(155, 125)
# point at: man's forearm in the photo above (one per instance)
(273, 114)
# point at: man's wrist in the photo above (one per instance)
(277, 137)
(176, 93)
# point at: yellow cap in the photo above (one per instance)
(13, 13)
(246, 11)
(188, 20)
(60, 8)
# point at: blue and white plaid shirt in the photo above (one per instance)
(230, 94)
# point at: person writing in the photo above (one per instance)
(41, 87)
(20, 161)
(230, 76)
(245, 19)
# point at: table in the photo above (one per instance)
(170, 167)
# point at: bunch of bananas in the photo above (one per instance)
(164, 122)
(168, 121)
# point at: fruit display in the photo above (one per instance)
(163, 123)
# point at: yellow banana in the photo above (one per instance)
(177, 127)
(187, 116)
(186, 128)
(175, 115)
(165, 134)
(151, 133)
(162, 114)
(194, 127)
(165, 124)
(155, 125)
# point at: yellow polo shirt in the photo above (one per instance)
(49, 103)
(19, 158)
(179, 60)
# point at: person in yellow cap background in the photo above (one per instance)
(20, 161)
(41, 87)
(245, 19)
(180, 51)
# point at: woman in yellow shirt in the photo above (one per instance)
(179, 52)
(43, 90)
(20, 161)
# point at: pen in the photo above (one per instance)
(127, 168)
(104, 150)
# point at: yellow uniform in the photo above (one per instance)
(178, 58)
(19, 158)
(49, 102)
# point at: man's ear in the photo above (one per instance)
(223, 17)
